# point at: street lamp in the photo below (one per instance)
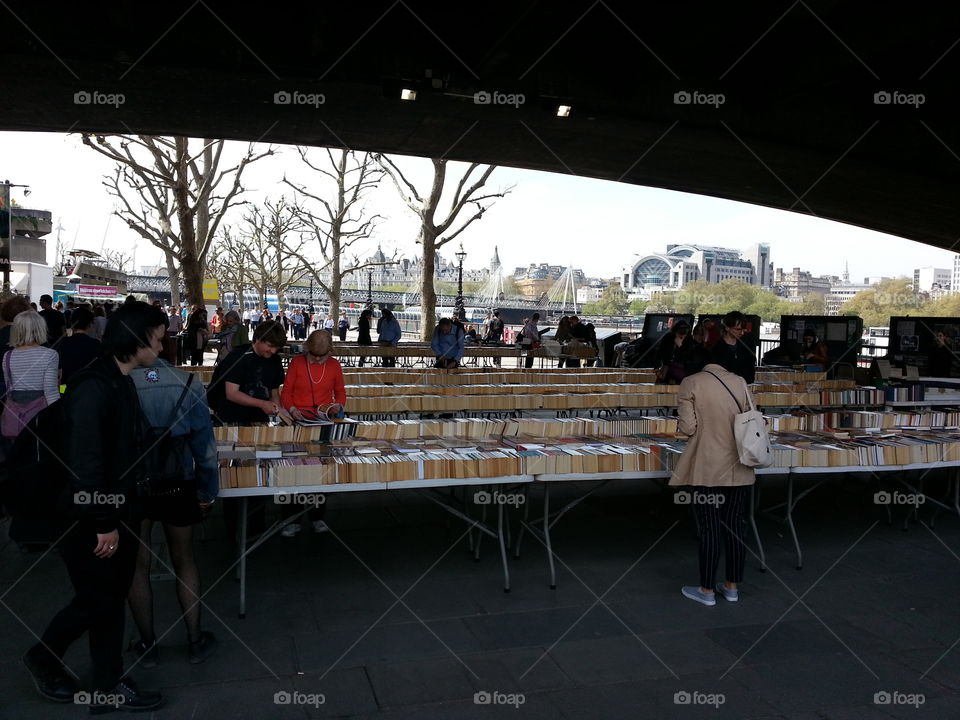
(369, 289)
(460, 255)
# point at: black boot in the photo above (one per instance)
(124, 696)
(49, 675)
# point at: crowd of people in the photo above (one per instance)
(119, 392)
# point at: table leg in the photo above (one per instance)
(546, 535)
(503, 548)
(789, 519)
(243, 558)
(523, 523)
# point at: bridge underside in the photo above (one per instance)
(842, 110)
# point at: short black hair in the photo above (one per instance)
(270, 332)
(81, 319)
(733, 318)
(129, 327)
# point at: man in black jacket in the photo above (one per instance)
(102, 446)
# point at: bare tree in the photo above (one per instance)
(159, 179)
(272, 246)
(337, 220)
(434, 234)
(118, 260)
(227, 263)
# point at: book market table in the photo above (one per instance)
(244, 494)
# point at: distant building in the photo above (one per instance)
(839, 294)
(682, 264)
(29, 273)
(800, 283)
(535, 280)
(932, 280)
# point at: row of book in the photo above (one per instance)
(849, 419)
(425, 459)
(521, 376)
(393, 404)
(560, 385)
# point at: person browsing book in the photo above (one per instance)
(313, 389)
(314, 384)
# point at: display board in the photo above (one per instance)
(913, 339)
(843, 335)
(655, 326)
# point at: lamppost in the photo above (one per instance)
(458, 305)
(369, 289)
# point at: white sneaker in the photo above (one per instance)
(319, 526)
(290, 530)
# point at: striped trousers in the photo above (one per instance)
(721, 523)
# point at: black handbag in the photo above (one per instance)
(162, 466)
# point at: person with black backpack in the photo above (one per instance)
(101, 444)
(181, 482)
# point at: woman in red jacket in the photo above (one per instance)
(314, 381)
(313, 387)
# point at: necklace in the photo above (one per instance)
(310, 373)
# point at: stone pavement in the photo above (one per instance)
(389, 617)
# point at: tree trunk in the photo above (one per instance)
(189, 261)
(336, 282)
(174, 276)
(428, 296)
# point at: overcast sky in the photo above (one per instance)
(595, 225)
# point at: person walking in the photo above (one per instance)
(342, 326)
(101, 514)
(716, 482)
(30, 373)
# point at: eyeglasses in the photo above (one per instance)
(319, 356)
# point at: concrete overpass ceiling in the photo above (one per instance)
(798, 128)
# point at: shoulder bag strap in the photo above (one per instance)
(727, 389)
(7, 374)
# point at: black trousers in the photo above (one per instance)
(196, 357)
(721, 524)
(98, 607)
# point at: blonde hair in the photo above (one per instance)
(29, 328)
(316, 336)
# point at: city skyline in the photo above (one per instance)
(593, 225)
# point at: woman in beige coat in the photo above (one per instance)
(718, 482)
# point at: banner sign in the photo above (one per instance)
(211, 290)
(96, 290)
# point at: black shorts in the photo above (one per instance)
(180, 508)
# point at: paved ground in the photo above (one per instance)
(391, 618)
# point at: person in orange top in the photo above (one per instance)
(314, 383)
(314, 379)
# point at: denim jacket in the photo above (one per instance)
(159, 388)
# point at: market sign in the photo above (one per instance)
(211, 290)
(97, 290)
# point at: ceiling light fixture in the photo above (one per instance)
(407, 94)
(563, 110)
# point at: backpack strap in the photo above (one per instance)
(727, 389)
(176, 408)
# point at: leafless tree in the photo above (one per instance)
(433, 234)
(333, 214)
(272, 246)
(167, 192)
(227, 263)
(118, 260)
